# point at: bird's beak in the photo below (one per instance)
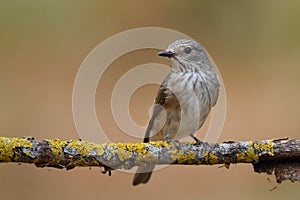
(168, 54)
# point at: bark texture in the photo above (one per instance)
(278, 156)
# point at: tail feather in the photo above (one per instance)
(143, 174)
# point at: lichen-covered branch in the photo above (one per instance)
(280, 155)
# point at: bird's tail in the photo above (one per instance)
(143, 174)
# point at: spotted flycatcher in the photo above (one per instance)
(184, 99)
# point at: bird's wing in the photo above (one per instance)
(159, 102)
(215, 93)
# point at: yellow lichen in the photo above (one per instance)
(251, 156)
(56, 146)
(268, 147)
(160, 144)
(210, 158)
(174, 154)
(79, 146)
(248, 157)
(241, 156)
(121, 150)
(185, 157)
(100, 150)
(139, 148)
(8, 144)
(253, 151)
(27, 153)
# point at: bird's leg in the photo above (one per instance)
(196, 139)
(166, 136)
(172, 141)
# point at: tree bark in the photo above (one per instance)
(281, 156)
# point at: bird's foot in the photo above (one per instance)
(196, 139)
(172, 141)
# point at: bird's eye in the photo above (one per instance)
(187, 50)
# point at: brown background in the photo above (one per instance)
(255, 44)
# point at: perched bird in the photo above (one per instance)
(184, 99)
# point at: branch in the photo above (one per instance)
(281, 156)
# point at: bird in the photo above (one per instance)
(184, 99)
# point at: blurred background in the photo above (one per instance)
(255, 44)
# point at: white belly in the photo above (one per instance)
(194, 103)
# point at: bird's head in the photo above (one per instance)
(186, 55)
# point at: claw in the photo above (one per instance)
(196, 139)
